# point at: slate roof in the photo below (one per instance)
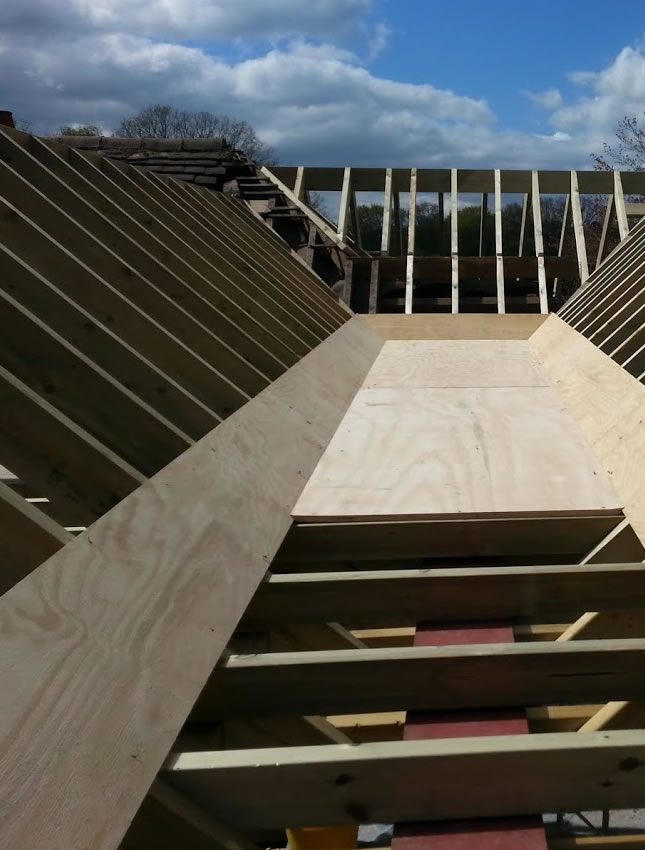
(206, 162)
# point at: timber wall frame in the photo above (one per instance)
(369, 282)
(171, 375)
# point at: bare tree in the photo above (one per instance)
(79, 130)
(166, 122)
(629, 153)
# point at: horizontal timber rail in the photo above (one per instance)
(435, 779)
(545, 233)
(425, 678)
(389, 597)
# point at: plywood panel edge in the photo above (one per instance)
(607, 403)
(107, 645)
(457, 326)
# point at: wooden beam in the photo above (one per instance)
(392, 597)
(539, 242)
(442, 222)
(609, 209)
(334, 784)
(619, 199)
(525, 209)
(224, 256)
(579, 230)
(398, 221)
(620, 545)
(165, 305)
(98, 341)
(343, 212)
(167, 819)
(299, 188)
(91, 209)
(387, 214)
(499, 250)
(454, 240)
(566, 218)
(165, 577)
(60, 460)
(412, 223)
(442, 538)
(356, 222)
(320, 223)
(28, 537)
(86, 393)
(374, 287)
(482, 222)
(424, 678)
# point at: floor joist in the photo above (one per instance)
(430, 678)
(434, 780)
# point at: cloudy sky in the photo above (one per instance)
(435, 83)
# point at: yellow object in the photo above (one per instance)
(323, 838)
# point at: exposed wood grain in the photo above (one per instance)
(27, 537)
(607, 404)
(450, 451)
(425, 678)
(462, 326)
(419, 364)
(99, 695)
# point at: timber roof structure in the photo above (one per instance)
(270, 564)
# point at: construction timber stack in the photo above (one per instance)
(269, 565)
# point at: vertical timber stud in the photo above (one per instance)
(387, 214)
(539, 243)
(525, 210)
(374, 282)
(499, 252)
(398, 224)
(299, 186)
(579, 230)
(343, 213)
(563, 232)
(621, 215)
(454, 240)
(442, 223)
(356, 222)
(605, 229)
(482, 222)
(409, 267)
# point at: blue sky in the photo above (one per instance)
(477, 83)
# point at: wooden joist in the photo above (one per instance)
(151, 594)
(356, 541)
(391, 597)
(434, 780)
(59, 459)
(425, 678)
(28, 537)
(145, 253)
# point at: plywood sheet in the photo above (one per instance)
(455, 363)
(452, 429)
(454, 326)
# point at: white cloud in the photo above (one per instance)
(314, 102)
(182, 19)
(549, 99)
(378, 40)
